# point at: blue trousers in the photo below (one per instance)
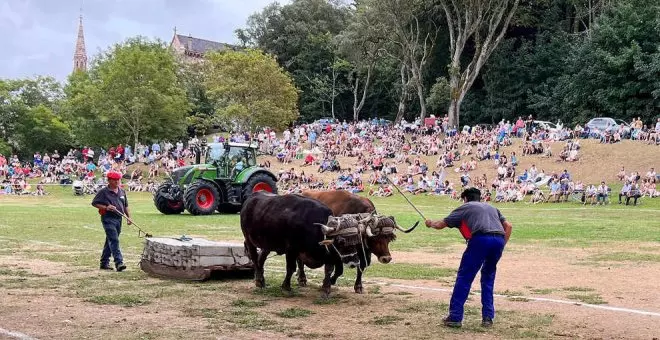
(483, 252)
(112, 227)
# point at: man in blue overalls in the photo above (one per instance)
(112, 203)
(486, 231)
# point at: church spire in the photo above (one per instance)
(80, 56)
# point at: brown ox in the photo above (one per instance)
(342, 202)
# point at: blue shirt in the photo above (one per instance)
(476, 218)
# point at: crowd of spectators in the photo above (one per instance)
(368, 152)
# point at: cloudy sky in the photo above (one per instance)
(39, 36)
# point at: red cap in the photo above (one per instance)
(114, 175)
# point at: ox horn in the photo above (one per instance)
(325, 228)
(366, 229)
(409, 230)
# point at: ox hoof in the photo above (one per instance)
(359, 290)
(260, 283)
(333, 281)
(286, 288)
(302, 282)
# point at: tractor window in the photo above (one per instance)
(236, 154)
(251, 160)
(215, 153)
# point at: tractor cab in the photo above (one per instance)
(230, 159)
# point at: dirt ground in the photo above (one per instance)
(52, 312)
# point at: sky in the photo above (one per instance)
(39, 36)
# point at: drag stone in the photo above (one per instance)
(193, 259)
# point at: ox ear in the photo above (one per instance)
(325, 242)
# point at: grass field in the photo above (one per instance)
(49, 250)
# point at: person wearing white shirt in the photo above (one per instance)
(602, 193)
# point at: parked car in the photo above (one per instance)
(545, 125)
(626, 128)
(606, 123)
(324, 122)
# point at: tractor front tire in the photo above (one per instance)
(164, 205)
(259, 182)
(201, 198)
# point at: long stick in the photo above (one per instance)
(140, 231)
(404, 196)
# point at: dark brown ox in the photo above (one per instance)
(377, 237)
(295, 226)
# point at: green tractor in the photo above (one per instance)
(228, 176)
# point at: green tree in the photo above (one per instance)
(201, 116)
(30, 117)
(484, 23)
(251, 90)
(612, 72)
(301, 37)
(130, 93)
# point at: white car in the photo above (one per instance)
(545, 125)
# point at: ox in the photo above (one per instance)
(378, 234)
(295, 226)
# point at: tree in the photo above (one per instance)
(360, 44)
(131, 92)
(411, 40)
(29, 116)
(251, 90)
(201, 115)
(300, 36)
(484, 23)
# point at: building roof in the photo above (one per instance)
(201, 46)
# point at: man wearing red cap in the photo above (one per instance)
(112, 203)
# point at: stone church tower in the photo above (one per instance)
(80, 56)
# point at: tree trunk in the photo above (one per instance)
(454, 110)
(334, 92)
(404, 95)
(422, 102)
(358, 107)
(457, 95)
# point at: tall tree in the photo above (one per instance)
(361, 45)
(300, 35)
(30, 118)
(411, 37)
(482, 22)
(251, 90)
(131, 93)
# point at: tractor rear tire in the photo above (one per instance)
(164, 205)
(259, 182)
(201, 198)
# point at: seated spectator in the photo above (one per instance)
(625, 191)
(590, 194)
(634, 193)
(622, 174)
(602, 192)
(538, 196)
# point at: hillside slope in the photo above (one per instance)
(597, 162)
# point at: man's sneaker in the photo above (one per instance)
(487, 322)
(105, 267)
(449, 323)
(121, 267)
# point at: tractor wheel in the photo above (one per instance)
(164, 205)
(201, 198)
(259, 182)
